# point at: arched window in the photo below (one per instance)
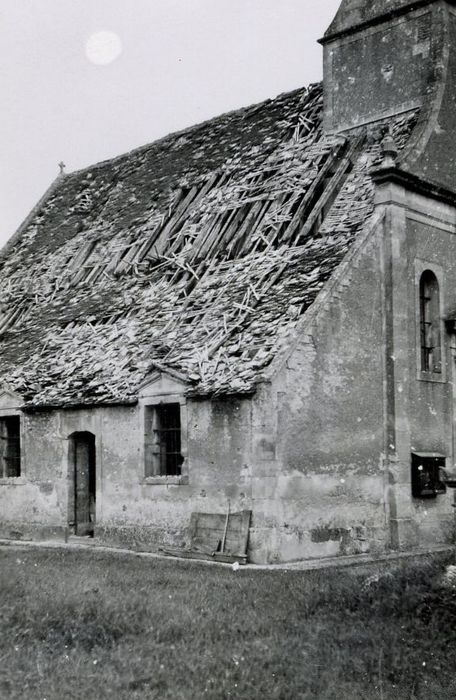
(431, 351)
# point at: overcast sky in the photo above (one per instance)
(182, 61)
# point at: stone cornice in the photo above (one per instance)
(413, 183)
(379, 19)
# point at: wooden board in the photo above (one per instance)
(207, 535)
(203, 556)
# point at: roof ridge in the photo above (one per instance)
(192, 129)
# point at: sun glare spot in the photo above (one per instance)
(103, 48)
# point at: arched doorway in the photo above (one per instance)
(83, 476)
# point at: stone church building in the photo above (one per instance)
(255, 315)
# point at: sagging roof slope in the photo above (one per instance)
(198, 253)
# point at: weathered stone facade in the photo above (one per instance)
(316, 439)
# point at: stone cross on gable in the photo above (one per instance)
(62, 167)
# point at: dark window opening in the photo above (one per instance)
(431, 351)
(426, 475)
(10, 446)
(163, 440)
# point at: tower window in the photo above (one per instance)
(431, 350)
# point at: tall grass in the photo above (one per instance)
(92, 625)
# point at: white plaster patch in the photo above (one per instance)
(387, 72)
(422, 48)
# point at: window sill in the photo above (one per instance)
(431, 377)
(12, 481)
(166, 480)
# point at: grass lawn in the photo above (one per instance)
(92, 625)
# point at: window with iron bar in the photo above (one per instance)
(10, 447)
(163, 440)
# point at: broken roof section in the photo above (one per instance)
(198, 254)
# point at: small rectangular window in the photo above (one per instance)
(10, 447)
(426, 481)
(163, 440)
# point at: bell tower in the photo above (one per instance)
(387, 57)
(378, 60)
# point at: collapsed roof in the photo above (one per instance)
(197, 254)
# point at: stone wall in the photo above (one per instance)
(420, 409)
(130, 509)
(318, 482)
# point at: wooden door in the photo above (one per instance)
(84, 484)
